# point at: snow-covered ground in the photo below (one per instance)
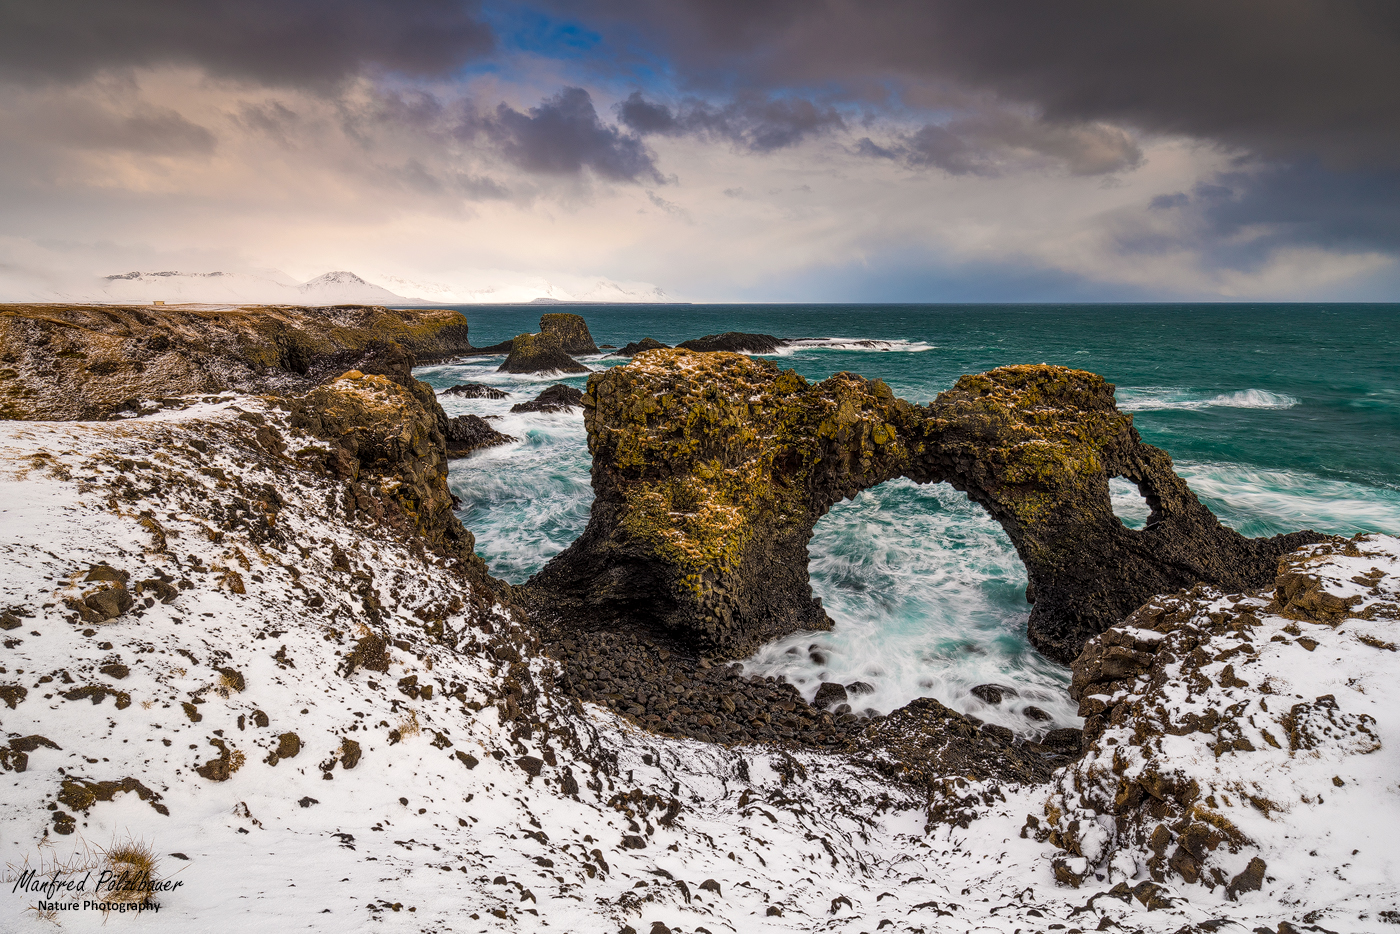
(440, 825)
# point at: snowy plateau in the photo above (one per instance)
(187, 663)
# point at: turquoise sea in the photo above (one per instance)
(1280, 417)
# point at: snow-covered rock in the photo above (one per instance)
(1248, 743)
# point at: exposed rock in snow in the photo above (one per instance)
(1247, 741)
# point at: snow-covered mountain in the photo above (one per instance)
(273, 287)
(332, 288)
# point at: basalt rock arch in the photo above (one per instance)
(711, 469)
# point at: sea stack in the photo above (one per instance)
(571, 330)
(540, 353)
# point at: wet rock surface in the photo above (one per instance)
(475, 391)
(710, 471)
(97, 362)
(734, 342)
(539, 353)
(636, 347)
(557, 398)
(468, 433)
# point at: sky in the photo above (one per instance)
(711, 150)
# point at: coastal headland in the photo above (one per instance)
(235, 525)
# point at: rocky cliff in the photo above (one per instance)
(90, 362)
(711, 469)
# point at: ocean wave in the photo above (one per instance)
(1154, 399)
(851, 343)
(1254, 501)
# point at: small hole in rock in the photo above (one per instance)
(1128, 503)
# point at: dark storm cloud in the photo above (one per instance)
(1276, 77)
(563, 135)
(990, 144)
(751, 121)
(269, 41)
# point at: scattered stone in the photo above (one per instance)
(530, 765)
(115, 670)
(1032, 712)
(857, 688)
(288, 745)
(633, 842)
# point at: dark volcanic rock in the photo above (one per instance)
(992, 693)
(829, 694)
(734, 342)
(636, 347)
(556, 398)
(467, 433)
(710, 471)
(539, 353)
(571, 330)
(475, 391)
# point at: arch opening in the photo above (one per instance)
(927, 596)
(1129, 504)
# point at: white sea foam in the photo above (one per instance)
(851, 343)
(927, 595)
(1158, 398)
(1265, 502)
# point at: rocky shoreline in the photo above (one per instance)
(1224, 681)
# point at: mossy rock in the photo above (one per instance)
(711, 469)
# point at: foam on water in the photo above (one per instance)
(802, 344)
(928, 598)
(1257, 502)
(1158, 398)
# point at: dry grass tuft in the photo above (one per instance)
(132, 864)
(408, 726)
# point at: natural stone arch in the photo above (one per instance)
(711, 469)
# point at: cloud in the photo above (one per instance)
(756, 122)
(1281, 79)
(992, 144)
(278, 42)
(563, 135)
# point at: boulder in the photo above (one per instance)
(539, 353)
(711, 469)
(571, 330)
(636, 347)
(475, 391)
(557, 398)
(734, 342)
(468, 433)
(829, 694)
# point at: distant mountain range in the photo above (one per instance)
(272, 287)
(332, 288)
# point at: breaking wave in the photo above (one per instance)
(1152, 399)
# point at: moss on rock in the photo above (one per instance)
(711, 469)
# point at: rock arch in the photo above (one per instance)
(711, 469)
